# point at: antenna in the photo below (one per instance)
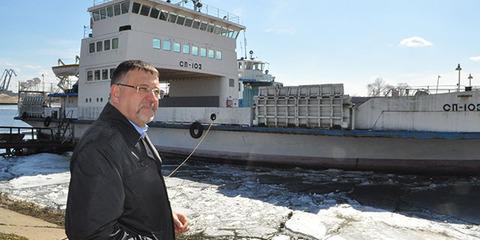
(245, 43)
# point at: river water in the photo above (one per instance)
(251, 202)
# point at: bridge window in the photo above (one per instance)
(96, 15)
(154, 13)
(172, 17)
(145, 10)
(211, 53)
(103, 13)
(194, 50)
(217, 30)
(104, 74)
(203, 26)
(188, 22)
(180, 20)
(99, 46)
(196, 24)
(97, 74)
(136, 8)
(156, 43)
(218, 55)
(125, 6)
(166, 45)
(111, 72)
(163, 15)
(115, 43)
(186, 48)
(92, 47)
(210, 28)
(89, 75)
(106, 45)
(110, 11)
(203, 52)
(116, 9)
(176, 47)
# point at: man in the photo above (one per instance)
(116, 187)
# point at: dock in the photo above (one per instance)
(29, 140)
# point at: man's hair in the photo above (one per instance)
(130, 65)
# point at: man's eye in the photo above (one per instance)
(143, 89)
(156, 91)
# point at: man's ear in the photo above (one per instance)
(114, 93)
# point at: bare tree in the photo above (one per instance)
(378, 88)
(381, 88)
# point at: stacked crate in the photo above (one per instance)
(311, 106)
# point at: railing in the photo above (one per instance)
(30, 132)
(413, 90)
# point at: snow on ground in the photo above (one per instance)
(231, 202)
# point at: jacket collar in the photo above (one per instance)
(111, 115)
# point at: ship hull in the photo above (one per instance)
(453, 153)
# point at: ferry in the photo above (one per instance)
(237, 111)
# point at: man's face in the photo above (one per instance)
(138, 107)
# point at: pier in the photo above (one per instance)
(28, 140)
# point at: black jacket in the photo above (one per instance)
(116, 187)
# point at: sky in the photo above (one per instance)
(305, 42)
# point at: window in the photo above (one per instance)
(218, 55)
(97, 74)
(99, 46)
(96, 15)
(110, 11)
(194, 50)
(203, 52)
(145, 10)
(103, 13)
(92, 47)
(210, 28)
(235, 34)
(104, 74)
(203, 26)
(89, 75)
(217, 30)
(211, 53)
(106, 45)
(224, 31)
(111, 72)
(181, 20)
(136, 8)
(196, 24)
(166, 45)
(176, 47)
(163, 15)
(188, 22)
(156, 43)
(116, 9)
(125, 6)
(186, 48)
(231, 82)
(154, 13)
(172, 17)
(115, 43)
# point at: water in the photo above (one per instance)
(7, 113)
(251, 202)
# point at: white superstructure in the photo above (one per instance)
(193, 51)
